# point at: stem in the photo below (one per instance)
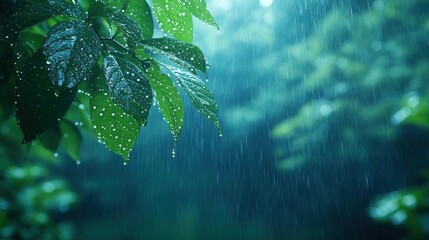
(111, 39)
(144, 62)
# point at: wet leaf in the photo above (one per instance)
(29, 41)
(72, 49)
(183, 54)
(39, 104)
(67, 9)
(142, 14)
(27, 15)
(168, 99)
(174, 18)
(97, 9)
(50, 138)
(71, 139)
(131, 30)
(114, 128)
(24, 16)
(128, 87)
(128, 26)
(198, 8)
(116, 4)
(200, 95)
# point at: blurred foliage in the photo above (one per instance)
(364, 75)
(353, 71)
(31, 199)
(408, 208)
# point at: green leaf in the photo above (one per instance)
(198, 8)
(184, 54)
(67, 9)
(168, 99)
(114, 128)
(79, 112)
(50, 138)
(128, 87)
(39, 104)
(127, 25)
(29, 41)
(71, 139)
(27, 15)
(116, 4)
(131, 29)
(97, 9)
(34, 1)
(200, 95)
(174, 18)
(139, 11)
(98, 19)
(142, 14)
(72, 49)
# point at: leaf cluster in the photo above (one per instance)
(97, 62)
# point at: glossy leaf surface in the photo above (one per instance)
(114, 128)
(200, 95)
(128, 87)
(175, 16)
(167, 98)
(72, 49)
(184, 54)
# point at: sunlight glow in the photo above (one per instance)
(224, 4)
(265, 3)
